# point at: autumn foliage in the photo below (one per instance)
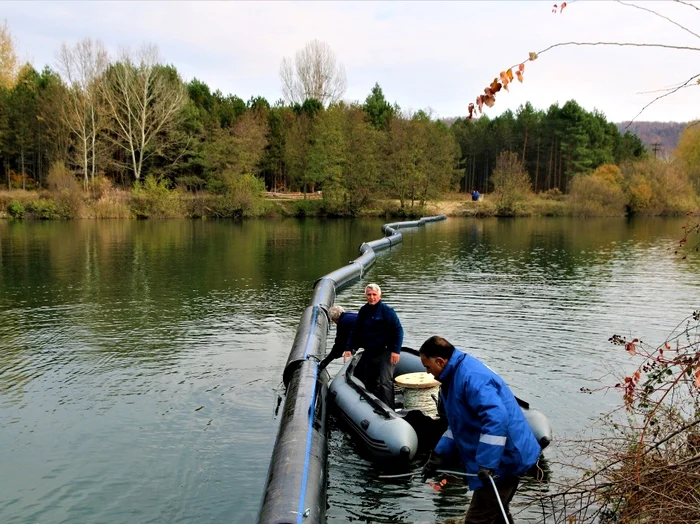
(648, 468)
(504, 78)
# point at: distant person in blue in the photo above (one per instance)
(378, 330)
(345, 323)
(486, 429)
(475, 195)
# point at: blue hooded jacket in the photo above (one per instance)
(485, 424)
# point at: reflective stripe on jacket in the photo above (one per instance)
(486, 426)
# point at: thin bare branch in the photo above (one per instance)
(660, 16)
(686, 83)
(688, 4)
(615, 44)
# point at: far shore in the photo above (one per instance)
(122, 204)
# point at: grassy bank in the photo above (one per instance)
(158, 202)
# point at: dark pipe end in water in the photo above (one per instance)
(405, 451)
(364, 423)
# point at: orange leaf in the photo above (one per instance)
(697, 377)
(495, 86)
(563, 5)
(510, 75)
(480, 102)
(488, 91)
(504, 79)
(489, 100)
(519, 74)
(436, 486)
(630, 348)
(521, 67)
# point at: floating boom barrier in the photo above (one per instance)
(295, 490)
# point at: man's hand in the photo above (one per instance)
(434, 463)
(484, 474)
(346, 356)
(395, 358)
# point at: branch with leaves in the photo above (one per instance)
(505, 77)
(648, 466)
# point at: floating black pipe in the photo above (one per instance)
(295, 491)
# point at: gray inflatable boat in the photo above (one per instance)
(392, 438)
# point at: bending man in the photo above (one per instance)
(378, 330)
(486, 429)
(345, 323)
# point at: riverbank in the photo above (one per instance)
(158, 202)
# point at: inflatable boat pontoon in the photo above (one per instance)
(392, 438)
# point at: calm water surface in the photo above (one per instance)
(141, 362)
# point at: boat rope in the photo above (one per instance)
(493, 483)
(421, 399)
(498, 498)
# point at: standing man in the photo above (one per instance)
(378, 330)
(345, 323)
(486, 429)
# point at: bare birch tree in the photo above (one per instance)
(9, 63)
(313, 73)
(82, 68)
(144, 100)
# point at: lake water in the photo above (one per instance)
(141, 361)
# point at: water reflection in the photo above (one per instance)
(141, 362)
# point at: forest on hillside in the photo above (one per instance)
(661, 137)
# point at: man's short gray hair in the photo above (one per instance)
(334, 312)
(374, 287)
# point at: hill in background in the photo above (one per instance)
(665, 134)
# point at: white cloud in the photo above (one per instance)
(423, 54)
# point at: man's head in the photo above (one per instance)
(434, 354)
(334, 313)
(373, 293)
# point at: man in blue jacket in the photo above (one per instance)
(486, 429)
(345, 323)
(379, 331)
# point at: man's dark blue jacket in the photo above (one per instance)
(378, 329)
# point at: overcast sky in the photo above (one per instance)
(425, 55)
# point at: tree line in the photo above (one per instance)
(133, 117)
(553, 145)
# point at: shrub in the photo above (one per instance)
(243, 198)
(43, 209)
(552, 194)
(154, 199)
(511, 184)
(66, 191)
(15, 209)
(655, 187)
(336, 203)
(61, 178)
(598, 194)
(306, 208)
(101, 187)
